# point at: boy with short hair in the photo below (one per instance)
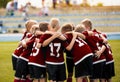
(110, 72)
(20, 49)
(97, 46)
(36, 62)
(22, 62)
(69, 61)
(54, 52)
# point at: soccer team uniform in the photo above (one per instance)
(22, 63)
(54, 58)
(82, 57)
(36, 62)
(95, 44)
(109, 66)
(17, 53)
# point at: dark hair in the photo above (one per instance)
(67, 27)
(43, 26)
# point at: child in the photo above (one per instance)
(97, 47)
(20, 49)
(81, 52)
(69, 62)
(22, 62)
(109, 66)
(88, 26)
(54, 52)
(36, 63)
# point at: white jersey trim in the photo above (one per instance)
(99, 61)
(110, 62)
(39, 65)
(15, 55)
(54, 63)
(90, 54)
(23, 58)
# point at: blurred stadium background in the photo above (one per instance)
(104, 18)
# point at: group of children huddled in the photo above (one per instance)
(40, 54)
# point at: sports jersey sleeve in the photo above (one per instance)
(43, 38)
(24, 35)
(31, 41)
(86, 33)
(65, 43)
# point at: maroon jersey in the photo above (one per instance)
(24, 35)
(80, 49)
(95, 44)
(108, 51)
(37, 56)
(108, 54)
(19, 49)
(54, 51)
(27, 51)
(98, 34)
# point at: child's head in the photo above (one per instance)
(79, 28)
(34, 28)
(88, 24)
(67, 27)
(29, 23)
(54, 24)
(43, 26)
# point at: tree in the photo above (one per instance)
(3, 3)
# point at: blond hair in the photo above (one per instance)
(87, 22)
(29, 23)
(67, 27)
(54, 22)
(79, 28)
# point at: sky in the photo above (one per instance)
(37, 3)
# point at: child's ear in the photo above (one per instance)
(48, 27)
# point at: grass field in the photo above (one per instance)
(6, 49)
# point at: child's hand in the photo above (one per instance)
(74, 34)
(38, 33)
(98, 54)
(56, 34)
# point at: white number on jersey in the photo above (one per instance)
(51, 45)
(98, 46)
(35, 50)
(80, 42)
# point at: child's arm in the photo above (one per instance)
(23, 43)
(60, 37)
(104, 39)
(39, 33)
(38, 45)
(101, 36)
(46, 42)
(70, 46)
(99, 52)
(81, 35)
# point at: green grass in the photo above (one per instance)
(6, 49)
